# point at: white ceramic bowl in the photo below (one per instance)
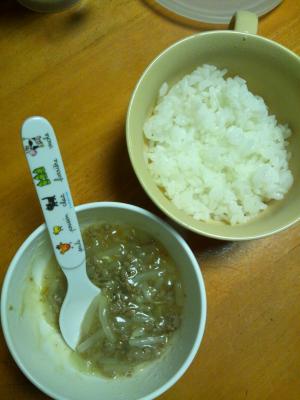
(41, 353)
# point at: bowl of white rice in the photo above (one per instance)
(213, 134)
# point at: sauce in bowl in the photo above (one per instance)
(139, 309)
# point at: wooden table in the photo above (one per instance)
(78, 69)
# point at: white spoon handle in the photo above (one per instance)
(50, 180)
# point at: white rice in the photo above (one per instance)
(214, 149)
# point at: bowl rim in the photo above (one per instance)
(129, 141)
(171, 231)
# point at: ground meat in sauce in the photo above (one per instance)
(140, 303)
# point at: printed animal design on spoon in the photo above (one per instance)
(40, 175)
(51, 202)
(33, 144)
(63, 247)
(57, 229)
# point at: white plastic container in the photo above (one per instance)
(217, 11)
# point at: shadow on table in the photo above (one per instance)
(13, 13)
(12, 8)
(128, 190)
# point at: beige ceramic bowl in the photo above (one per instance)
(271, 71)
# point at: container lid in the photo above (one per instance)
(217, 11)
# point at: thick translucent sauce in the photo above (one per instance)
(140, 305)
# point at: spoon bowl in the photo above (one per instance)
(80, 294)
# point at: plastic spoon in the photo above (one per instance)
(54, 194)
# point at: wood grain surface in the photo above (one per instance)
(78, 69)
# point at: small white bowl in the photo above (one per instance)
(40, 351)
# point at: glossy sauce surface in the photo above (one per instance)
(139, 308)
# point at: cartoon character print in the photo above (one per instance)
(57, 229)
(40, 175)
(63, 247)
(33, 144)
(51, 202)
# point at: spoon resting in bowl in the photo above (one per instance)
(50, 181)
